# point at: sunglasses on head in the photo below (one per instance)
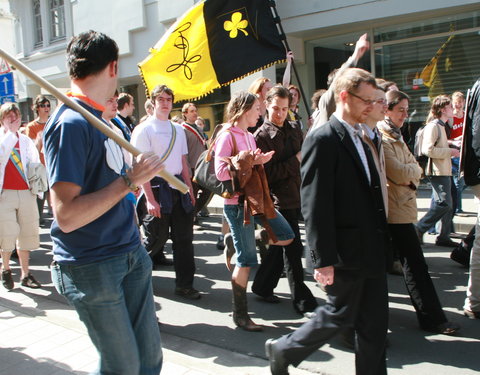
(46, 105)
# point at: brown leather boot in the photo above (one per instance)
(240, 310)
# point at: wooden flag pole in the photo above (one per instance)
(94, 121)
(273, 6)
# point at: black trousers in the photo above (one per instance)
(40, 204)
(417, 279)
(289, 257)
(202, 197)
(178, 225)
(353, 301)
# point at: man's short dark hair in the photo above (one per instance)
(89, 53)
(278, 91)
(160, 89)
(124, 99)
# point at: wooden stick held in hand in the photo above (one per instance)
(95, 122)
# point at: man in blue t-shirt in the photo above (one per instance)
(99, 264)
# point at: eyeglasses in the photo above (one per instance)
(47, 105)
(366, 101)
(381, 102)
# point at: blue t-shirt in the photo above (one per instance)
(77, 152)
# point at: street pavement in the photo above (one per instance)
(41, 334)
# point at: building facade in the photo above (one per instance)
(404, 35)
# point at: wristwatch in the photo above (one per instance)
(129, 182)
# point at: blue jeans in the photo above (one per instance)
(114, 299)
(244, 235)
(441, 208)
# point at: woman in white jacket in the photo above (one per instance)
(18, 207)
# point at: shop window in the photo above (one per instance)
(427, 59)
(427, 68)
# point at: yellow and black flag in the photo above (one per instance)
(448, 69)
(213, 44)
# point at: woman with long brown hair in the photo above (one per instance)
(242, 113)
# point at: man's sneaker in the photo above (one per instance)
(7, 279)
(188, 293)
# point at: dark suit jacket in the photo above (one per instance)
(344, 214)
(471, 139)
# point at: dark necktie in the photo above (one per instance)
(375, 141)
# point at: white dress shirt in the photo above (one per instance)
(355, 133)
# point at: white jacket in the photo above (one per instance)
(28, 151)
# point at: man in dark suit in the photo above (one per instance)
(347, 233)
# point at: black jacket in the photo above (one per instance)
(344, 215)
(283, 170)
(471, 164)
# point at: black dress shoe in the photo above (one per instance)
(460, 255)
(188, 293)
(278, 364)
(446, 328)
(271, 299)
(162, 261)
(446, 243)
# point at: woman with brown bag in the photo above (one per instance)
(243, 112)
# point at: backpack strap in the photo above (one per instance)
(169, 149)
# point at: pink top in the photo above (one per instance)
(224, 147)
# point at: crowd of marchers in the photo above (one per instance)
(346, 172)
